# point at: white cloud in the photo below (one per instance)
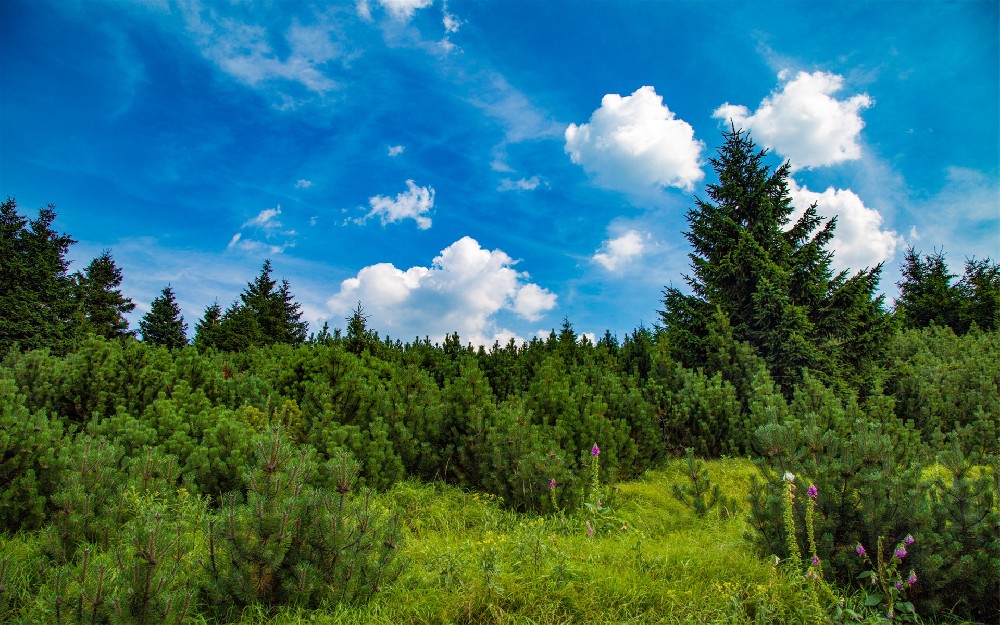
(395, 150)
(266, 219)
(804, 122)
(249, 246)
(244, 51)
(523, 184)
(860, 239)
(616, 253)
(364, 10)
(462, 291)
(414, 203)
(450, 22)
(403, 10)
(635, 144)
(302, 183)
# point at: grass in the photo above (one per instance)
(650, 560)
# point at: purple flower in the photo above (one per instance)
(552, 483)
(900, 552)
(813, 491)
(898, 585)
(590, 528)
(909, 540)
(595, 450)
(860, 550)
(815, 561)
(889, 614)
(912, 579)
(874, 579)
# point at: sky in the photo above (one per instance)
(490, 168)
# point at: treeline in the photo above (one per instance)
(892, 415)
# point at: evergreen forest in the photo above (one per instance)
(781, 446)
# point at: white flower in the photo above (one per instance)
(789, 477)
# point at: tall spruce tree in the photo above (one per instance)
(163, 324)
(278, 316)
(36, 303)
(928, 296)
(206, 331)
(102, 306)
(771, 278)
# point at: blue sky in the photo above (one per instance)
(485, 167)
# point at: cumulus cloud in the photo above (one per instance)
(302, 183)
(803, 121)
(616, 253)
(523, 184)
(395, 150)
(463, 291)
(414, 203)
(860, 239)
(635, 144)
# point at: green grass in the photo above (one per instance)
(650, 560)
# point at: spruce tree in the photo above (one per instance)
(101, 303)
(278, 317)
(771, 278)
(36, 303)
(163, 324)
(926, 293)
(206, 331)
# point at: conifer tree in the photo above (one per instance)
(206, 331)
(926, 295)
(101, 303)
(278, 316)
(163, 324)
(36, 303)
(771, 278)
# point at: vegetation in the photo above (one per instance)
(257, 473)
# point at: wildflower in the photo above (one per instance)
(595, 450)
(590, 529)
(860, 549)
(552, 483)
(912, 579)
(909, 540)
(815, 561)
(812, 492)
(900, 552)
(874, 579)
(789, 477)
(898, 585)
(889, 614)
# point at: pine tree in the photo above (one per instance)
(36, 303)
(163, 324)
(101, 303)
(771, 278)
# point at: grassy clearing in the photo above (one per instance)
(649, 561)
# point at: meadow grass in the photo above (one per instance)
(649, 560)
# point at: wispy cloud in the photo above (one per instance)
(302, 183)
(522, 184)
(266, 219)
(395, 150)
